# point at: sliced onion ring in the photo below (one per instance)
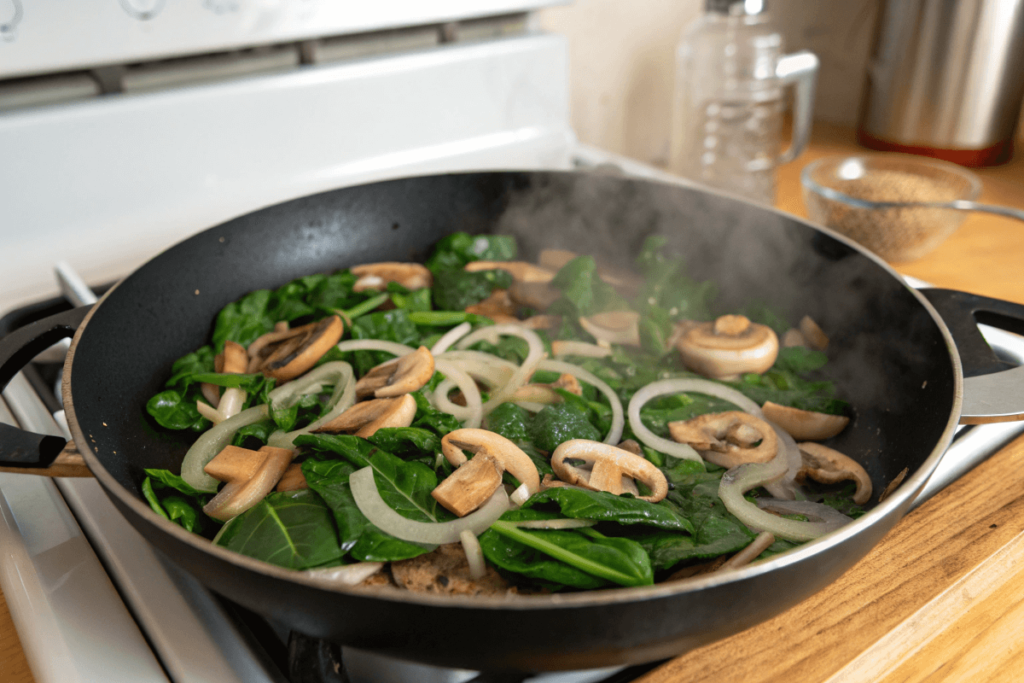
(618, 420)
(680, 386)
(450, 337)
(344, 575)
(474, 554)
(472, 413)
(381, 515)
(391, 347)
(808, 508)
(522, 374)
(212, 442)
(743, 478)
(338, 373)
(785, 488)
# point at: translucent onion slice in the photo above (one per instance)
(579, 348)
(337, 373)
(824, 513)
(345, 575)
(679, 386)
(523, 372)
(618, 420)
(381, 515)
(213, 442)
(743, 478)
(450, 337)
(474, 554)
(520, 495)
(231, 402)
(209, 412)
(375, 345)
(785, 488)
(555, 523)
(472, 413)
(531, 406)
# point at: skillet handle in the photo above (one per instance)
(19, 448)
(993, 388)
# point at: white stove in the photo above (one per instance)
(129, 125)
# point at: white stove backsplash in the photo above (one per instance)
(107, 183)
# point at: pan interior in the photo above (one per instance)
(887, 355)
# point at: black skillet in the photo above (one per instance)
(891, 355)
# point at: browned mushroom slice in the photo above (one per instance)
(728, 347)
(286, 355)
(521, 271)
(538, 295)
(728, 439)
(232, 360)
(365, 418)
(498, 303)
(793, 337)
(828, 466)
(632, 446)
(376, 276)
(482, 442)
(470, 485)
(554, 259)
(250, 476)
(815, 336)
(614, 327)
(612, 469)
(397, 376)
(293, 479)
(805, 425)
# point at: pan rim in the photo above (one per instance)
(895, 505)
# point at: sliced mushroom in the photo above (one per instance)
(632, 446)
(612, 469)
(728, 347)
(498, 303)
(366, 417)
(537, 393)
(250, 476)
(805, 425)
(793, 337)
(728, 439)
(286, 355)
(614, 327)
(828, 466)
(232, 360)
(521, 271)
(293, 479)
(480, 441)
(376, 276)
(815, 336)
(470, 485)
(538, 295)
(554, 259)
(397, 376)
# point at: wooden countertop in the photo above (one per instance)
(949, 605)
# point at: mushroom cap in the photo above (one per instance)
(815, 336)
(828, 466)
(366, 417)
(376, 276)
(805, 425)
(250, 476)
(538, 295)
(297, 350)
(397, 376)
(498, 303)
(610, 466)
(614, 327)
(477, 441)
(729, 438)
(728, 347)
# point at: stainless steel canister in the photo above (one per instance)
(946, 79)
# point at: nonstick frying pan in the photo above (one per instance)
(891, 355)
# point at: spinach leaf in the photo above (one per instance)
(560, 422)
(585, 290)
(407, 441)
(454, 290)
(456, 250)
(607, 507)
(428, 417)
(293, 529)
(619, 560)
(667, 286)
(510, 421)
(159, 489)
(362, 540)
(410, 300)
(171, 410)
(391, 325)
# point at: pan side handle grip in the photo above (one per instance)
(993, 387)
(19, 448)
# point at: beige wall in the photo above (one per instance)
(622, 54)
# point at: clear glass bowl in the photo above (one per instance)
(894, 233)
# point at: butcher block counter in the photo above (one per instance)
(941, 598)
